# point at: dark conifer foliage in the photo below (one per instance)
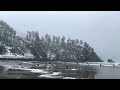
(58, 48)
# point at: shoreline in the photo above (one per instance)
(37, 59)
(67, 61)
(21, 59)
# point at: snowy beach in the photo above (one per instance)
(58, 70)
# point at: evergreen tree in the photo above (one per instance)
(2, 50)
(81, 42)
(7, 33)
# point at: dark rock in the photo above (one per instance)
(66, 67)
(109, 60)
(2, 68)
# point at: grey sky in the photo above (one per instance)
(100, 29)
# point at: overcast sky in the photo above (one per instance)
(101, 29)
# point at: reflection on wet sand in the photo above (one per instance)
(107, 72)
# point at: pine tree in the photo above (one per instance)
(81, 42)
(2, 50)
(7, 33)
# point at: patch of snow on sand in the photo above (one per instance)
(37, 71)
(53, 75)
(102, 64)
(107, 65)
(56, 73)
(73, 69)
(33, 70)
(68, 78)
(25, 62)
(48, 76)
(95, 64)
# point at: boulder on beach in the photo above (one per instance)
(109, 60)
(2, 69)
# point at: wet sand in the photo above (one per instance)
(107, 72)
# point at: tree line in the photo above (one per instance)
(46, 47)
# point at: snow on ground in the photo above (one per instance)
(36, 70)
(22, 66)
(101, 63)
(73, 69)
(56, 73)
(53, 75)
(32, 70)
(25, 62)
(14, 55)
(68, 78)
(48, 76)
